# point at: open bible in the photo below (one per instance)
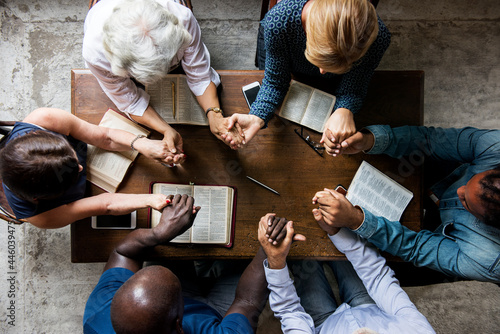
(378, 193)
(107, 169)
(307, 106)
(174, 102)
(214, 223)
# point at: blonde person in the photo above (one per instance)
(340, 41)
(129, 41)
(43, 169)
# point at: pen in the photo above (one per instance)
(263, 185)
(173, 99)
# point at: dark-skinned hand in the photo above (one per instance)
(176, 218)
(277, 253)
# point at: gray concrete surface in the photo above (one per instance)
(456, 43)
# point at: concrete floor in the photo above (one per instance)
(456, 43)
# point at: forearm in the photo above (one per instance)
(461, 145)
(276, 81)
(423, 248)
(209, 98)
(103, 204)
(371, 268)
(251, 292)
(285, 303)
(152, 120)
(131, 251)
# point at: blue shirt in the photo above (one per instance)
(462, 245)
(24, 209)
(285, 43)
(198, 317)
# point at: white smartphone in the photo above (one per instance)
(250, 92)
(122, 222)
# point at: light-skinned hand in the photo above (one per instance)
(338, 127)
(219, 126)
(249, 124)
(336, 210)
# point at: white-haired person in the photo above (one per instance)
(130, 41)
(340, 42)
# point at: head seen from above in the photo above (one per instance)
(149, 302)
(140, 38)
(39, 165)
(339, 32)
(481, 196)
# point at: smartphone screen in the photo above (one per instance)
(250, 91)
(127, 221)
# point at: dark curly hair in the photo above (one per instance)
(38, 165)
(490, 196)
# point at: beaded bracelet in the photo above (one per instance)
(133, 141)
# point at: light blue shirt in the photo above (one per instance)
(393, 312)
(463, 245)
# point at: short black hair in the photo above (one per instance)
(38, 165)
(490, 196)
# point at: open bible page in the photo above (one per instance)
(212, 221)
(189, 111)
(108, 167)
(161, 98)
(319, 109)
(378, 193)
(296, 101)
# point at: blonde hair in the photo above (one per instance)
(141, 38)
(339, 32)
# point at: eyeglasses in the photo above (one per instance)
(317, 147)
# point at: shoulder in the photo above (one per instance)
(384, 35)
(21, 208)
(102, 295)
(184, 14)
(22, 128)
(284, 13)
(97, 317)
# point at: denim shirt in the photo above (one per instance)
(462, 245)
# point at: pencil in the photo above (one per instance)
(173, 99)
(263, 185)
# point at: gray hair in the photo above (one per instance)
(141, 38)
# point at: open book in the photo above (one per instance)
(307, 106)
(378, 193)
(214, 223)
(107, 169)
(174, 102)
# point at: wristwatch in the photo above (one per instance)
(215, 110)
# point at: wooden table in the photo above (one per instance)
(276, 156)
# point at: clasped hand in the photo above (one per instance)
(335, 211)
(233, 136)
(248, 125)
(175, 218)
(168, 150)
(272, 230)
(338, 128)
